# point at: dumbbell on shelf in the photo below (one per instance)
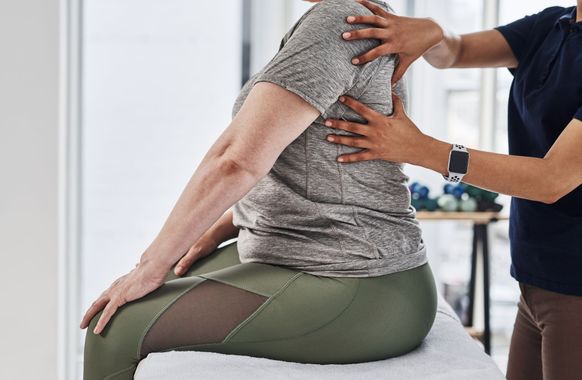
(420, 198)
(459, 197)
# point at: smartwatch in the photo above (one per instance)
(458, 163)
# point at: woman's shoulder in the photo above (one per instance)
(326, 8)
(326, 20)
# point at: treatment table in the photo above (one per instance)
(447, 353)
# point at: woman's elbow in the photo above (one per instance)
(229, 165)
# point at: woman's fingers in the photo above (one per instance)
(137, 283)
(365, 34)
(370, 20)
(365, 155)
(364, 111)
(187, 260)
(376, 9)
(95, 308)
(100, 303)
(361, 129)
(108, 312)
(357, 142)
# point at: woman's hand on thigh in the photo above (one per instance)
(140, 281)
(202, 248)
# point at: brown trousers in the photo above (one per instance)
(547, 336)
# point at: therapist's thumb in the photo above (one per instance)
(403, 65)
(397, 105)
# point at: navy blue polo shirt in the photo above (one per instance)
(546, 94)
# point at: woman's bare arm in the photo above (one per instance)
(270, 119)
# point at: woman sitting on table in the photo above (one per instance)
(329, 265)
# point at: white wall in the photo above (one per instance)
(158, 89)
(29, 37)
(157, 92)
(276, 17)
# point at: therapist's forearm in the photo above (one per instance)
(487, 48)
(523, 177)
(444, 54)
(217, 184)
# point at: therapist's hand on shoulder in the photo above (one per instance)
(391, 138)
(407, 37)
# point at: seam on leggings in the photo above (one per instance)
(265, 304)
(119, 372)
(194, 346)
(320, 327)
(162, 310)
(264, 294)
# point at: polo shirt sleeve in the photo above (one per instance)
(578, 114)
(315, 62)
(517, 34)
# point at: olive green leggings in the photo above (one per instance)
(255, 309)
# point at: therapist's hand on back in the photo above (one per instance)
(407, 37)
(391, 138)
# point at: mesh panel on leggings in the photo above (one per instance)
(205, 314)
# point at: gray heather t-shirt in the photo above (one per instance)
(311, 212)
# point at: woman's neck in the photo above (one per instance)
(579, 11)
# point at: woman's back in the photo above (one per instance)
(311, 212)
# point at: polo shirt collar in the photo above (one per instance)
(568, 21)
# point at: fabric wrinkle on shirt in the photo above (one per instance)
(311, 212)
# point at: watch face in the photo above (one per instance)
(459, 162)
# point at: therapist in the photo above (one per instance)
(543, 172)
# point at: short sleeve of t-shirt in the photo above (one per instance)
(315, 61)
(578, 114)
(520, 34)
(517, 33)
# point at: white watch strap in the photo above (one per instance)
(455, 177)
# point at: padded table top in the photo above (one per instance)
(447, 353)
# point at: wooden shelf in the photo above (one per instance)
(475, 217)
(480, 247)
(475, 334)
